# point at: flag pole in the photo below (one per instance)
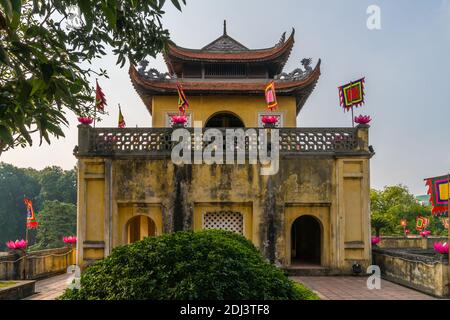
(448, 230)
(95, 102)
(353, 119)
(25, 262)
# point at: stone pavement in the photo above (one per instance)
(50, 288)
(355, 288)
(328, 288)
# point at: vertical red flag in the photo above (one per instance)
(183, 103)
(31, 217)
(271, 97)
(100, 101)
(121, 122)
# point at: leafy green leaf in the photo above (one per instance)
(6, 135)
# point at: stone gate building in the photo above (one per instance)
(314, 213)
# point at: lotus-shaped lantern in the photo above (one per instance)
(85, 120)
(70, 239)
(17, 245)
(362, 119)
(269, 119)
(375, 240)
(441, 247)
(178, 120)
(425, 233)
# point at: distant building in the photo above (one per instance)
(423, 199)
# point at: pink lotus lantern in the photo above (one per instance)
(362, 119)
(17, 245)
(269, 121)
(440, 247)
(70, 239)
(85, 120)
(425, 233)
(178, 120)
(407, 231)
(375, 240)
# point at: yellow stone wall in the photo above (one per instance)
(333, 190)
(203, 107)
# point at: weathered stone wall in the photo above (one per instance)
(333, 190)
(420, 269)
(36, 264)
(410, 242)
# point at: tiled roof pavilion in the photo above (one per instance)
(227, 51)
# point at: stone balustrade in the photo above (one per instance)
(157, 142)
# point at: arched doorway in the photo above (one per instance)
(306, 241)
(139, 227)
(224, 120)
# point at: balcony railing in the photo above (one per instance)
(157, 142)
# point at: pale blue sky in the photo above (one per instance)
(406, 65)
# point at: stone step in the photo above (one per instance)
(315, 271)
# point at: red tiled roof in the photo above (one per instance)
(232, 56)
(277, 54)
(147, 88)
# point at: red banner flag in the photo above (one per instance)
(183, 103)
(121, 123)
(100, 101)
(352, 94)
(439, 191)
(271, 97)
(31, 217)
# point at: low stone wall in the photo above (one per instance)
(420, 269)
(20, 290)
(410, 242)
(37, 264)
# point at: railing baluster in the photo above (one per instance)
(142, 141)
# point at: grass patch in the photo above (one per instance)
(4, 284)
(304, 292)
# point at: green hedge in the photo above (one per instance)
(209, 265)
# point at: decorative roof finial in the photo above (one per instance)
(224, 27)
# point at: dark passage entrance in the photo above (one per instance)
(305, 241)
(224, 120)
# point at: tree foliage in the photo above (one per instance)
(206, 265)
(46, 47)
(14, 184)
(41, 186)
(56, 220)
(393, 203)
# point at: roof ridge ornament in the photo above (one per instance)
(282, 40)
(298, 73)
(225, 27)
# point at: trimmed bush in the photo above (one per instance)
(209, 265)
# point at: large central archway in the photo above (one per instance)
(224, 120)
(306, 241)
(139, 227)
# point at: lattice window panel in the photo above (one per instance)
(279, 115)
(224, 220)
(169, 122)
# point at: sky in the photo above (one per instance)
(406, 65)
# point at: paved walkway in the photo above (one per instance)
(328, 288)
(50, 288)
(355, 288)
